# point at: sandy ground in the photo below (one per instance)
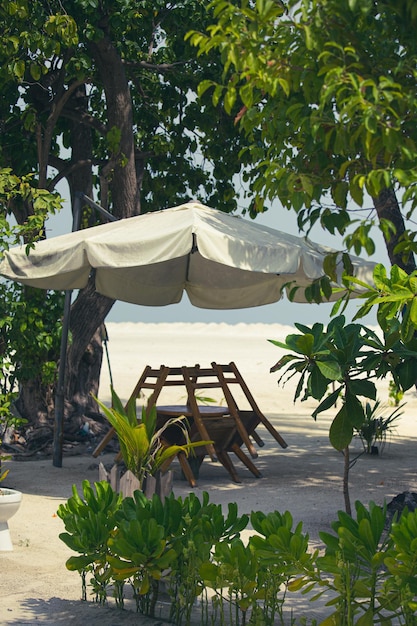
(305, 478)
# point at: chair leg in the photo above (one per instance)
(255, 407)
(227, 463)
(257, 439)
(185, 466)
(246, 460)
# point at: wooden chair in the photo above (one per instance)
(251, 419)
(226, 428)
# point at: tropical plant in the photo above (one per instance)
(29, 328)
(89, 522)
(399, 593)
(141, 553)
(366, 572)
(377, 425)
(344, 361)
(142, 445)
(203, 526)
(285, 562)
(145, 566)
(352, 566)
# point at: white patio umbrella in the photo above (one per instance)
(220, 261)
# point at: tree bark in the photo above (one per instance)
(87, 317)
(85, 352)
(90, 309)
(123, 185)
(387, 208)
(34, 402)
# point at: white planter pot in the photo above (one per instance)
(10, 500)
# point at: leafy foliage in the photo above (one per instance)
(141, 441)
(377, 425)
(29, 327)
(353, 563)
(367, 569)
(89, 522)
(347, 358)
(394, 296)
(14, 189)
(324, 91)
(176, 140)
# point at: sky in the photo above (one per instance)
(283, 312)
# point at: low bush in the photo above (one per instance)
(196, 553)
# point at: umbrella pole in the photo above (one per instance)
(60, 391)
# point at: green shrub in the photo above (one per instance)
(197, 550)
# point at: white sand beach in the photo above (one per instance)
(305, 478)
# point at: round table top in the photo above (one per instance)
(174, 410)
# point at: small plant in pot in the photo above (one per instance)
(377, 426)
(144, 449)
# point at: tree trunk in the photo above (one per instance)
(85, 352)
(84, 385)
(124, 185)
(387, 208)
(32, 402)
(90, 309)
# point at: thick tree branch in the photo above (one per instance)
(85, 118)
(387, 208)
(154, 67)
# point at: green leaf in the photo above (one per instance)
(361, 387)
(407, 373)
(330, 369)
(341, 430)
(279, 344)
(229, 99)
(297, 583)
(79, 563)
(328, 402)
(317, 383)
(329, 265)
(354, 410)
(303, 343)
(19, 69)
(203, 86)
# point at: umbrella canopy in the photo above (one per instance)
(221, 261)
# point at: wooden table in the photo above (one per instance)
(206, 423)
(198, 413)
(206, 410)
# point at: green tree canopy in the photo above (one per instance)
(325, 91)
(103, 94)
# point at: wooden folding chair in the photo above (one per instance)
(230, 375)
(154, 379)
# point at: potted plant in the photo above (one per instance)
(377, 425)
(145, 451)
(10, 500)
